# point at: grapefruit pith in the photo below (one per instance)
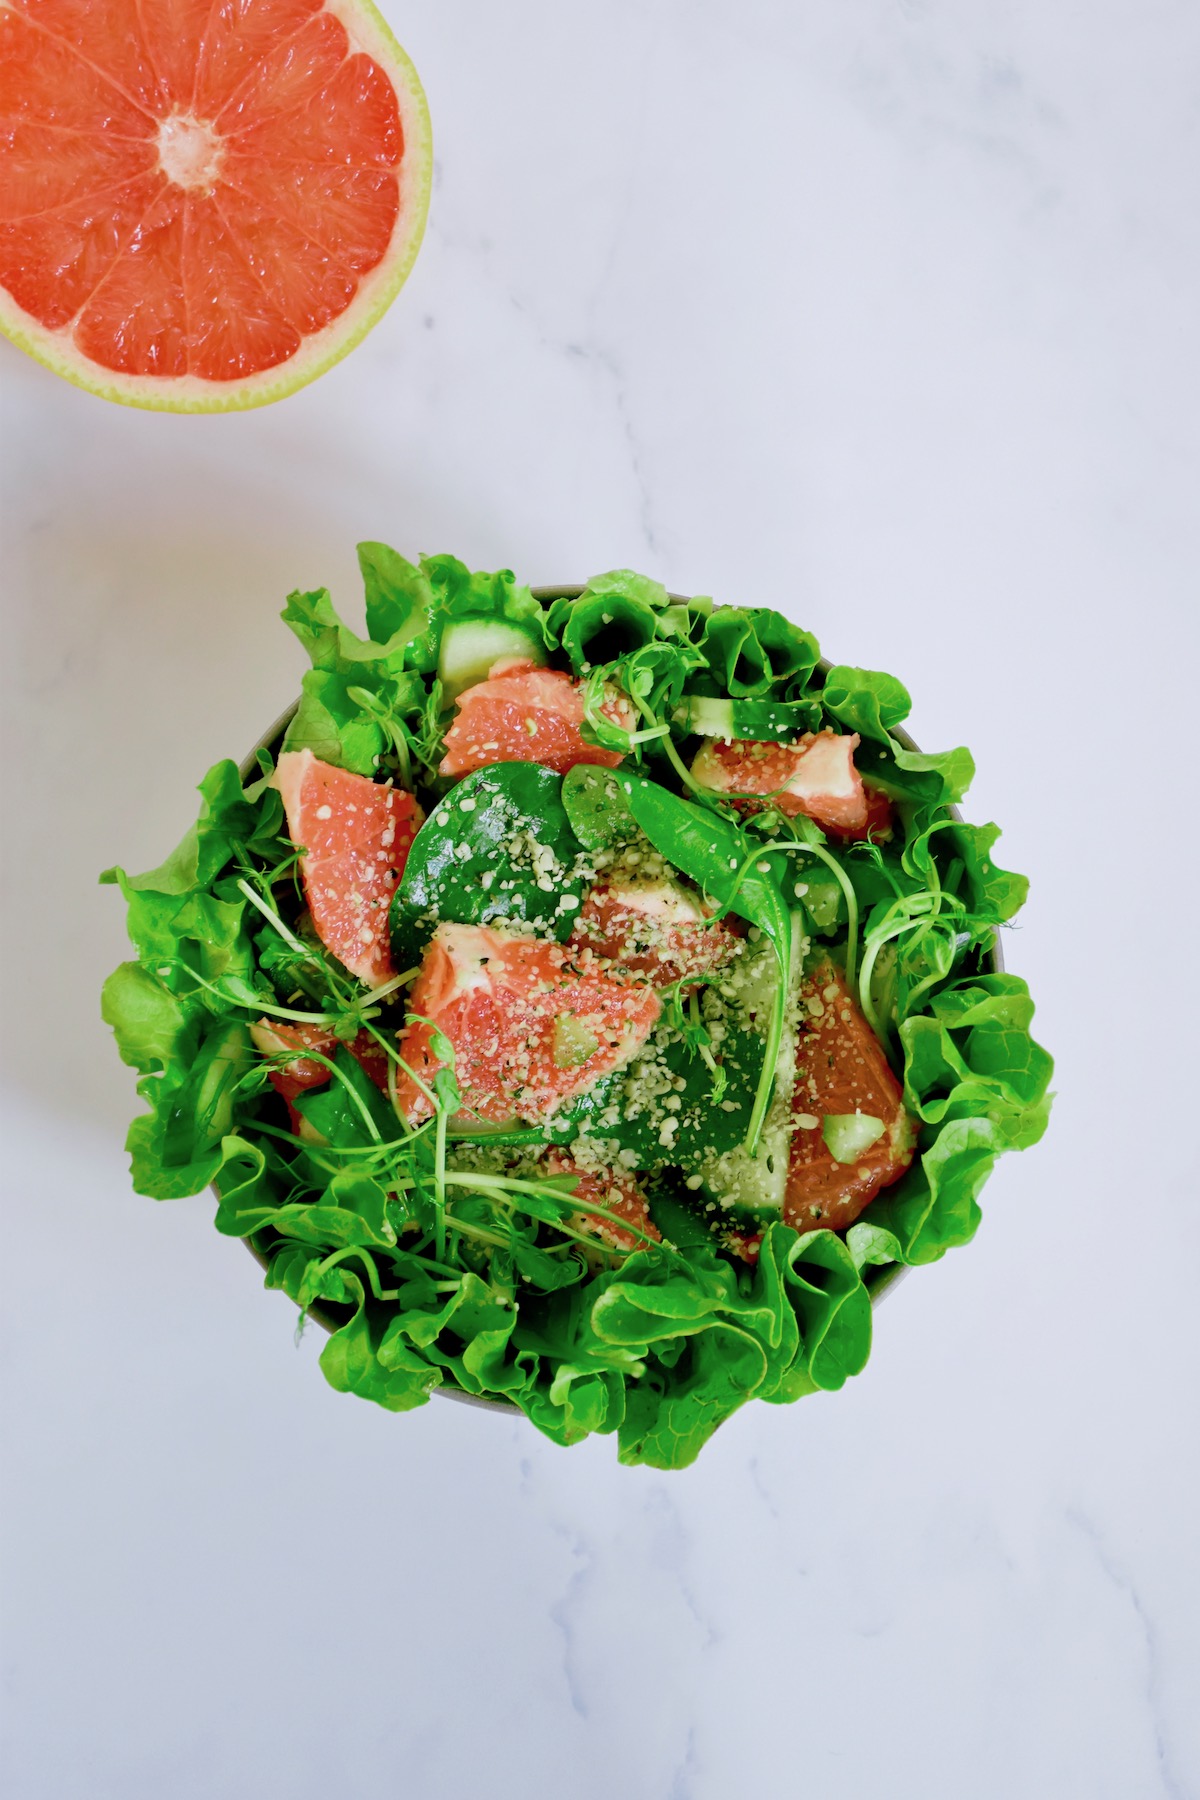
(205, 203)
(355, 834)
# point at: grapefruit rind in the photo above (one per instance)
(368, 31)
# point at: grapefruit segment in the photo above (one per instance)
(814, 776)
(355, 834)
(841, 1073)
(524, 713)
(656, 929)
(878, 825)
(60, 161)
(75, 27)
(81, 238)
(205, 202)
(617, 1192)
(236, 41)
(173, 32)
(274, 1039)
(346, 213)
(45, 78)
(216, 260)
(529, 1028)
(136, 320)
(291, 74)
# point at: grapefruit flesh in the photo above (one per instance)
(529, 1027)
(841, 1069)
(523, 713)
(304, 1071)
(205, 202)
(355, 834)
(655, 929)
(815, 776)
(614, 1190)
(878, 825)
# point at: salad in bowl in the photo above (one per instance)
(583, 1002)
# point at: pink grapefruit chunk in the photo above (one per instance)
(205, 203)
(355, 834)
(529, 1026)
(305, 1046)
(815, 776)
(656, 929)
(616, 1192)
(842, 1072)
(523, 713)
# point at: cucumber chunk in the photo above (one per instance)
(469, 647)
(712, 716)
(848, 1135)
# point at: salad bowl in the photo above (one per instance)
(879, 1281)
(583, 1002)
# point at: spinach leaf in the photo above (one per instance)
(714, 853)
(661, 1106)
(498, 846)
(718, 857)
(594, 802)
(350, 1112)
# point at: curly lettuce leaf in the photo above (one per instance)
(661, 1351)
(756, 653)
(358, 693)
(972, 1057)
(617, 615)
(455, 593)
(229, 816)
(995, 894)
(872, 703)
(398, 596)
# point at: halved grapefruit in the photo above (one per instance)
(529, 1027)
(523, 713)
(205, 203)
(355, 834)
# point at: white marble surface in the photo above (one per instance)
(884, 313)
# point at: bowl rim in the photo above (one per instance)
(879, 1281)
